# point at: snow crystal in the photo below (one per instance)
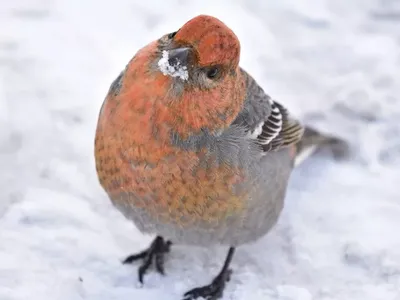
(175, 70)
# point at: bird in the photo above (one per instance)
(192, 150)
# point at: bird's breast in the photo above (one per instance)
(174, 185)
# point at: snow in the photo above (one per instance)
(333, 63)
(176, 70)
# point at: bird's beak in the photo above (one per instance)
(178, 56)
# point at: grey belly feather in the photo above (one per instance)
(269, 179)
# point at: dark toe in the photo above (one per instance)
(154, 254)
(159, 262)
(212, 291)
(134, 257)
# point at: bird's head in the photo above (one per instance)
(202, 54)
(190, 77)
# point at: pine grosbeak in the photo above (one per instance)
(190, 148)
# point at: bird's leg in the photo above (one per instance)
(216, 288)
(155, 253)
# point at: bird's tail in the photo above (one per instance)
(313, 140)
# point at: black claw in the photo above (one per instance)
(228, 275)
(134, 257)
(159, 262)
(210, 292)
(145, 265)
(155, 253)
(214, 290)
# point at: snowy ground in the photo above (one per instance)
(333, 63)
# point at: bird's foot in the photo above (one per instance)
(212, 291)
(154, 254)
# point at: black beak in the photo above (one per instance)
(178, 56)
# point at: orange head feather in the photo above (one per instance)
(154, 92)
(213, 41)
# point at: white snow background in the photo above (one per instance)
(335, 64)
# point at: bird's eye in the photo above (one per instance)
(172, 34)
(212, 72)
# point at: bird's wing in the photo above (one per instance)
(279, 130)
(267, 121)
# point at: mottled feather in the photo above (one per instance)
(287, 132)
(267, 121)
